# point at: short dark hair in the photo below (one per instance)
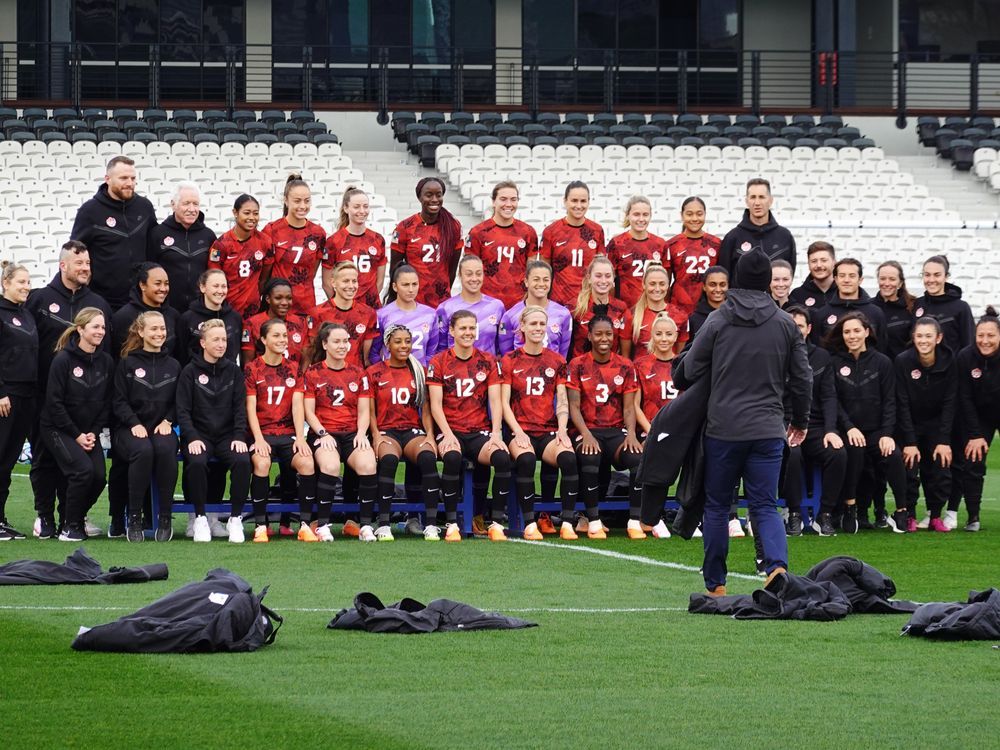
(799, 310)
(116, 160)
(819, 246)
(849, 262)
(758, 181)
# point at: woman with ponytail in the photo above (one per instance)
(150, 290)
(406, 311)
(596, 298)
(298, 244)
(896, 304)
(277, 303)
(634, 250)
(210, 304)
(363, 247)
(651, 305)
(343, 307)
(538, 280)
(245, 255)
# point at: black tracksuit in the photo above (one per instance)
(144, 395)
(776, 241)
(183, 253)
(77, 401)
(129, 312)
(898, 325)
(211, 407)
(825, 318)
(952, 312)
(18, 381)
(188, 341)
(926, 400)
(811, 296)
(697, 317)
(116, 233)
(979, 417)
(866, 400)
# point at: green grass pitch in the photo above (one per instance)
(616, 661)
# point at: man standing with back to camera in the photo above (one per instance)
(752, 352)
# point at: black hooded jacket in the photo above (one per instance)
(776, 241)
(898, 325)
(823, 412)
(212, 401)
(128, 313)
(145, 389)
(188, 344)
(978, 392)
(811, 296)
(116, 233)
(866, 392)
(926, 397)
(825, 318)
(78, 395)
(18, 350)
(183, 253)
(952, 312)
(697, 318)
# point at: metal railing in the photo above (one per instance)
(385, 78)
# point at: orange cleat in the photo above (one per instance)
(634, 530)
(566, 532)
(532, 534)
(597, 530)
(716, 592)
(452, 533)
(545, 524)
(260, 534)
(306, 534)
(495, 533)
(351, 528)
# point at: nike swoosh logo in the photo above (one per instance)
(231, 257)
(345, 250)
(518, 372)
(448, 377)
(259, 382)
(591, 489)
(380, 383)
(282, 244)
(584, 379)
(487, 244)
(626, 255)
(560, 244)
(415, 239)
(662, 435)
(651, 375)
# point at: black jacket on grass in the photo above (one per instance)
(898, 325)
(869, 590)
(811, 296)
(145, 389)
(212, 402)
(977, 619)
(78, 568)
(776, 242)
(183, 253)
(866, 393)
(825, 318)
(78, 394)
(128, 313)
(953, 313)
(188, 340)
(978, 393)
(410, 616)
(926, 397)
(786, 597)
(18, 350)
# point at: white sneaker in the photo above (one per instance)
(219, 529)
(432, 534)
(324, 533)
(201, 531)
(91, 529)
(660, 531)
(189, 531)
(234, 528)
(950, 519)
(384, 534)
(972, 526)
(924, 523)
(366, 534)
(735, 529)
(697, 533)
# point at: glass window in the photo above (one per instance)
(27, 21)
(595, 24)
(95, 23)
(296, 24)
(475, 30)
(950, 30)
(678, 24)
(138, 22)
(223, 22)
(349, 31)
(390, 27)
(549, 27)
(180, 29)
(432, 31)
(719, 24)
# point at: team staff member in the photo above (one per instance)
(77, 407)
(819, 287)
(850, 297)
(115, 225)
(715, 289)
(143, 404)
(356, 242)
(781, 282)
(532, 379)
(538, 280)
(596, 298)
(505, 245)
(419, 319)
(943, 301)
(152, 286)
(570, 245)
(651, 305)
(896, 304)
(632, 251)
(401, 427)
(298, 244)
(212, 414)
(344, 307)
(464, 388)
(18, 379)
(210, 305)
(866, 397)
(600, 385)
(822, 446)
(689, 256)
(758, 228)
(245, 255)
(277, 303)
(337, 401)
(654, 374)
(431, 242)
(181, 244)
(488, 310)
(276, 417)
(927, 398)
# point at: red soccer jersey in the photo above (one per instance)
(656, 383)
(465, 385)
(646, 327)
(274, 386)
(505, 252)
(243, 263)
(621, 320)
(337, 393)
(602, 389)
(533, 379)
(297, 254)
(367, 253)
(361, 322)
(569, 250)
(420, 246)
(689, 260)
(631, 258)
(393, 394)
(298, 335)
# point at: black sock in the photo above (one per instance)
(387, 466)
(367, 494)
(634, 496)
(431, 486)
(500, 461)
(590, 467)
(307, 496)
(451, 479)
(259, 487)
(524, 467)
(325, 489)
(570, 487)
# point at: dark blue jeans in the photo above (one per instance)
(758, 462)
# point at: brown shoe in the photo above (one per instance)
(773, 574)
(716, 592)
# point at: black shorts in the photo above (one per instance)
(281, 448)
(472, 443)
(540, 442)
(609, 439)
(344, 441)
(404, 436)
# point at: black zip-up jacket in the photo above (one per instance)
(697, 318)
(866, 393)
(128, 313)
(811, 296)
(978, 392)
(116, 234)
(212, 402)
(952, 312)
(926, 397)
(823, 411)
(145, 389)
(825, 318)
(54, 307)
(78, 395)
(776, 241)
(183, 253)
(898, 325)
(188, 342)
(18, 350)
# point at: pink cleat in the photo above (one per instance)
(937, 524)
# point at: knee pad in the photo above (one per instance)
(500, 461)
(525, 465)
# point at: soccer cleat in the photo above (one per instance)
(660, 531)
(823, 525)
(531, 533)
(897, 522)
(735, 529)
(495, 533)
(794, 525)
(323, 533)
(306, 533)
(384, 534)
(134, 533)
(432, 533)
(45, 527)
(116, 529)
(452, 533)
(716, 592)
(545, 525)
(164, 529)
(925, 522)
(582, 525)
(950, 519)
(478, 526)
(849, 522)
(413, 526)
(596, 530)
(936, 524)
(366, 534)
(351, 528)
(6, 536)
(285, 530)
(911, 524)
(73, 533)
(219, 529)
(634, 530)
(91, 529)
(234, 528)
(567, 533)
(9, 530)
(972, 525)
(260, 535)
(881, 518)
(202, 531)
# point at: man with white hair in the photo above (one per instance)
(181, 244)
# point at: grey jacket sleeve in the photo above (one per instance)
(799, 379)
(697, 363)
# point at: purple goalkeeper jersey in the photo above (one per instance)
(422, 326)
(558, 332)
(488, 312)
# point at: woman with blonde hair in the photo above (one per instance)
(652, 304)
(354, 241)
(596, 298)
(633, 251)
